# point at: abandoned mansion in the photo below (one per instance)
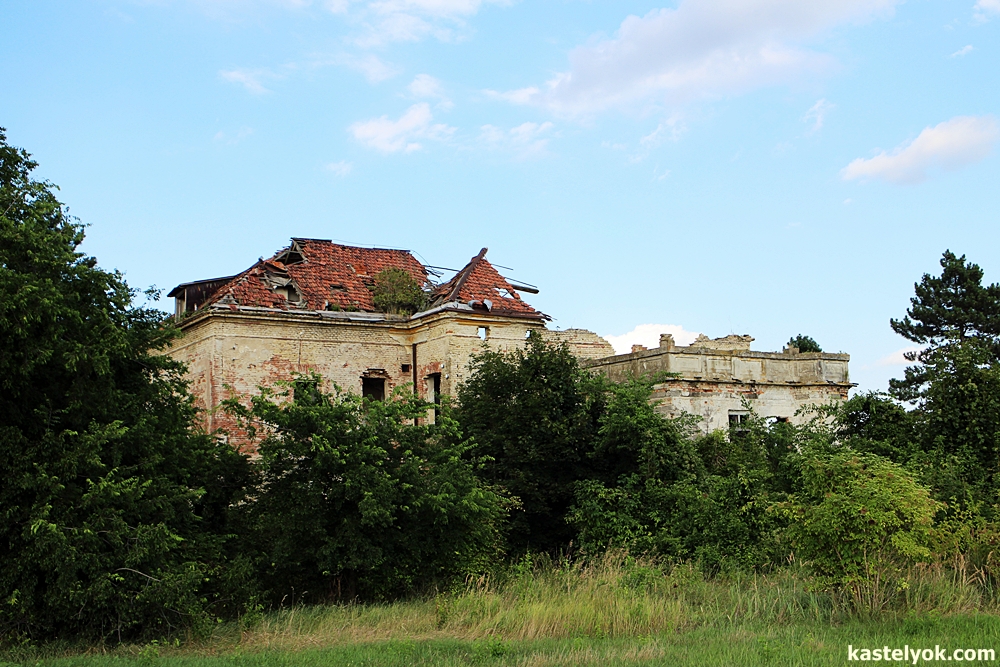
(311, 307)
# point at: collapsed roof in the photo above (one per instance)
(319, 275)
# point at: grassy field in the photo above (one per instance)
(608, 613)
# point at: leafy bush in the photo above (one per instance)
(679, 496)
(858, 520)
(395, 291)
(805, 343)
(534, 414)
(355, 501)
(112, 508)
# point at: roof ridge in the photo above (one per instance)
(463, 275)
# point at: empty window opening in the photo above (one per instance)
(434, 393)
(483, 333)
(434, 388)
(405, 368)
(289, 292)
(373, 388)
(737, 418)
(527, 334)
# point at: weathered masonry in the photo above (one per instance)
(719, 379)
(310, 308)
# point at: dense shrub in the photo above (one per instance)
(681, 496)
(858, 520)
(395, 291)
(113, 508)
(355, 501)
(534, 414)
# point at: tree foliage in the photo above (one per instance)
(685, 496)
(804, 344)
(951, 307)
(534, 414)
(858, 520)
(396, 292)
(112, 503)
(955, 382)
(355, 501)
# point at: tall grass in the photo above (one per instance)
(615, 598)
(612, 597)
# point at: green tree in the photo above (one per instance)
(858, 520)
(534, 414)
(109, 499)
(395, 291)
(805, 344)
(952, 306)
(873, 422)
(682, 496)
(355, 501)
(955, 382)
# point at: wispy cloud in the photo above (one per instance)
(962, 51)
(984, 9)
(817, 114)
(950, 145)
(251, 79)
(412, 20)
(342, 168)
(372, 67)
(701, 48)
(393, 136)
(425, 86)
(648, 335)
(525, 140)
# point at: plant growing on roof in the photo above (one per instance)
(395, 291)
(805, 344)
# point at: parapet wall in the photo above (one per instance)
(717, 379)
(584, 345)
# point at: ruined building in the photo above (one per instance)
(310, 307)
(720, 380)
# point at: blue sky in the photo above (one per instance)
(769, 167)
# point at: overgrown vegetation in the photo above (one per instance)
(804, 344)
(354, 501)
(395, 291)
(113, 507)
(549, 503)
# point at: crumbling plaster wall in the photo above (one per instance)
(235, 353)
(232, 353)
(584, 345)
(712, 378)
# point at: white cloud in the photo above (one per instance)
(526, 139)
(962, 51)
(342, 168)
(984, 8)
(372, 67)
(817, 114)
(426, 86)
(701, 48)
(649, 336)
(669, 130)
(392, 136)
(412, 20)
(251, 79)
(948, 145)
